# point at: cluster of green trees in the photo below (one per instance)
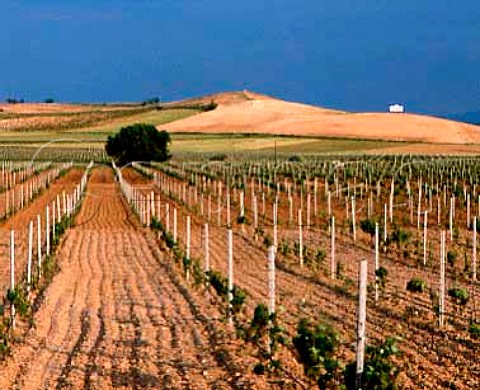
(139, 142)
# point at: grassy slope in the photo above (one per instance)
(224, 143)
(96, 133)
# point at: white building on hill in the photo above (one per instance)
(396, 108)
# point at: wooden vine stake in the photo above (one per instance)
(12, 274)
(361, 320)
(230, 273)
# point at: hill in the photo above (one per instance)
(247, 112)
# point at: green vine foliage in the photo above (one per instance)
(379, 371)
(416, 285)
(220, 285)
(18, 297)
(316, 347)
(264, 329)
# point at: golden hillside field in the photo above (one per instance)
(261, 114)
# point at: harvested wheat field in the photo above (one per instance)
(265, 115)
(56, 108)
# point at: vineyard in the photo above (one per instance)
(336, 272)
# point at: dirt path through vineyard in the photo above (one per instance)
(118, 316)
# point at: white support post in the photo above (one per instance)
(187, 249)
(361, 319)
(167, 217)
(255, 215)
(275, 227)
(441, 319)
(47, 230)
(425, 235)
(12, 274)
(53, 221)
(354, 228)
(376, 259)
(332, 248)
(468, 210)
(329, 203)
(59, 216)
(385, 235)
(290, 210)
(39, 246)
(206, 248)
(29, 256)
(419, 205)
(450, 220)
(242, 204)
(209, 207)
(474, 249)
(391, 204)
(219, 209)
(152, 207)
(300, 238)
(308, 211)
(174, 224)
(439, 210)
(228, 221)
(230, 273)
(271, 279)
(64, 203)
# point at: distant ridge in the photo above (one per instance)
(250, 112)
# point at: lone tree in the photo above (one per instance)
(138, 142)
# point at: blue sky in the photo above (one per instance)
(356, 55)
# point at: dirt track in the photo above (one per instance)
(117, 316)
